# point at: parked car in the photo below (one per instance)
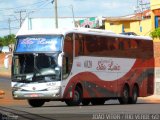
(129, 33)
(5, 49)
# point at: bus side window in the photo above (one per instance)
(68, 55)
(134, 44)
(65, 67)
(78, 45)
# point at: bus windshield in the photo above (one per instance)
(35, 67)
(39, 43)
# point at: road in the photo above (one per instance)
(19, 109)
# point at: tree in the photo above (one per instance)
(7, 40)
(155, 33)
(1, 41)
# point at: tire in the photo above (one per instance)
(86, 102)
(36, 102)
(97, 101)
(125, 96)
(133, 99)
(77, 98)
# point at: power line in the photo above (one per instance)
(2, 9)
(20, 16)
(40, 7)
(12, 20)
(12, 28)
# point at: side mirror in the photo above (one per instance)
(60, 57)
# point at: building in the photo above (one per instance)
(139, 23)
(48, 23)
(63, 22)
(155, 18)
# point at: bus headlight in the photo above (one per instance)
(16, 89)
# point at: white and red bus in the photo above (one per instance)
(81, 66)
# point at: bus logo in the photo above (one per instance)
(101, 65)
(109, 65)
(88, 64)
(33, 88)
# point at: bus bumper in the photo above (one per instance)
(37, 95)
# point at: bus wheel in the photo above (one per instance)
(36, 102)
(86, 101)
(133, 99)
(125, 96)
(77, 98)
(97, 101)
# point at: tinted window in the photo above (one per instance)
(106, 46)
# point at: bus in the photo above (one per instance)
(81, 66)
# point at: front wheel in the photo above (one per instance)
(77, 98)
(36, 102)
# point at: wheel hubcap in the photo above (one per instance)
(125, 94)
(76, 96)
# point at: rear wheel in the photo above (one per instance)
(133, 99)
(125, 96)
(36, 102)
(77, 98)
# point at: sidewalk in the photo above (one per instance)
(5, 72)
(151, 99)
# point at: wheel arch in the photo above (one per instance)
(79, 85)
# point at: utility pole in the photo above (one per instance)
(141, 7)
(56, 13)
(73, 16)
(20, 16)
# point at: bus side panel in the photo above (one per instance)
(92, 86)
(141, 74)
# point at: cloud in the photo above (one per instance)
(111, 5)
(26, 2)
(81, 8)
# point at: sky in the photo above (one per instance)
(10, 10)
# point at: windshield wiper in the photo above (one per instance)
(35, 64)
(21, 78)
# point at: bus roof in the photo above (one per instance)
(81, 31)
